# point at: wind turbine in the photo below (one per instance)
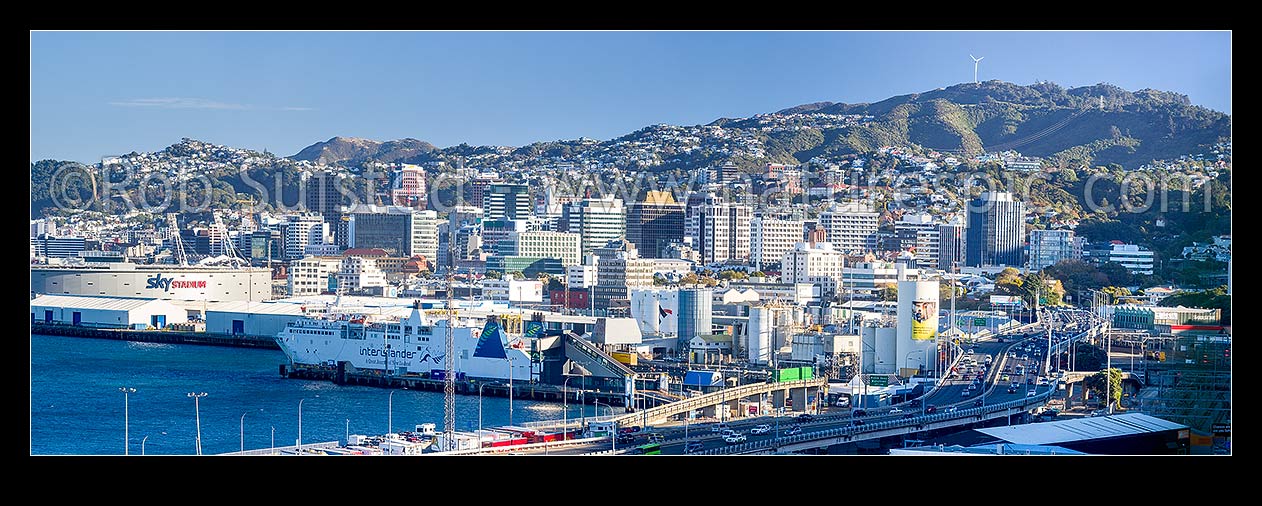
(976, 60)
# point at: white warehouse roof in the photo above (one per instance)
(1081, 429)
(88, 302)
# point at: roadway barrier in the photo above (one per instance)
(962, 416)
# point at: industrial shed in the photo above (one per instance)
(258, 319)
(105, 312)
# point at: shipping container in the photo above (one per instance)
(795, 373)
(625, 357)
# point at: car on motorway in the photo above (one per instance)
(915, 403)
(761, 429)
(1030, 393)
(719, 427)
(931, 409)
(1043, 381)
(966, 393)
(978, 403)
(796, 429)
(1012, 390)
(728, 432)
(734, 438)
(859, 412)
(626, 438)
(656, 437)
(856, 422)
(692, 446)
(952, 409)
(805, 417)
(1030, 380)
(895, 410)
(1005, 378)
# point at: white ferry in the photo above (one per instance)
(414, 344)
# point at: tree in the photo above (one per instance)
(757, 274)
(732, 274)
(889, 292)
(1116, 291)
(1089, 357)
(494, 275)
(1095, 384)
(1008, 282)
(944, 293)
(688, 279)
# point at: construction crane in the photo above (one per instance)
(449, 358)
(177, 244)
(231, 249)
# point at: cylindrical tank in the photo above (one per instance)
(917, 324)
(759, 334)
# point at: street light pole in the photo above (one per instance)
(348, 431)
(480, 406)
(299, 441)
(273, 440)
(390, 413)
(243, 432)
(126, 423)
(142, 444)
(509, 359)
(198, 412)
(565, 409)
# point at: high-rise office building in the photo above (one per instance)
(322, 196)
(506, 202)
(951, 244)
(919, 234)
(1050, 246)
(478, 186)
(597, 220)
(408, 186)
(543, 244)
(301, 231)
(770, 238)
(619, 268)
(654, 223)
(851, 226)
(816, 263)
(996, 230)
(401, 231)
(720, 231)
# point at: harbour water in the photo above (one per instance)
(76, 408)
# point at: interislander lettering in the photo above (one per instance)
(381, 352)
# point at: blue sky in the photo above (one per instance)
(96, 94)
